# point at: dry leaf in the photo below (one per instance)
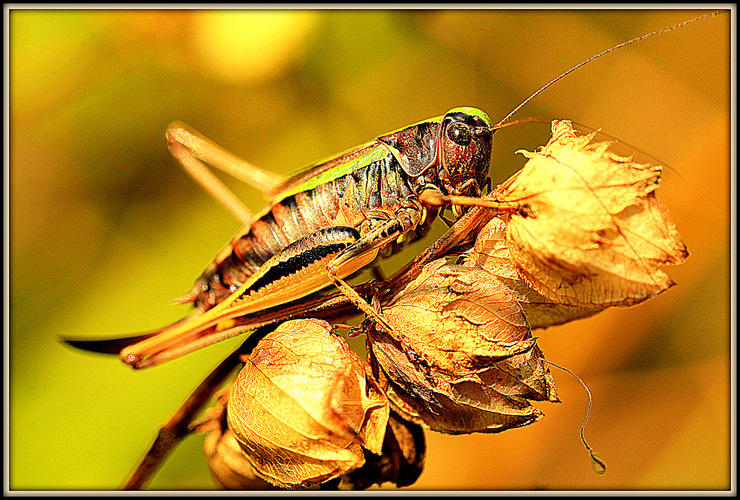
(491, 253)
(305, 405)
(462, 358)
(586, 228)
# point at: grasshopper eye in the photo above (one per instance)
(459, 133)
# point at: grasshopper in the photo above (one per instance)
(327, 222)
(323, 224)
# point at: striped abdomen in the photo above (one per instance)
(349, 200)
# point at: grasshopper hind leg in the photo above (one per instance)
(191, 150)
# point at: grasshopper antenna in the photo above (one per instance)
(607, 51)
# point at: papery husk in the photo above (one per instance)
(491, 253)
(305, 405)
(461, 358)
(226, 460)
(586, 229)
(462, 319)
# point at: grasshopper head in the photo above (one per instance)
(464, 155)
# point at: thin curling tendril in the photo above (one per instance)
(597, 463)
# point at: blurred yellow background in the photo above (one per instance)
(105, 229)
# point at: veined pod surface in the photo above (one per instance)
(462, 358)
(586, 227)
(401, 461)
(305, 405)
(491, 253)
(228, 464)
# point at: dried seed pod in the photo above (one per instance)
(229, 465)
(462, 358)
(225, 457)
(586, 228)
(491, 253)
(462, 319)
(305, 405)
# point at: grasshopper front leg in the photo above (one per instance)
(404, 220)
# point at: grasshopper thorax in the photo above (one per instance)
(464, 151)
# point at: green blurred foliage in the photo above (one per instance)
(105, 229)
